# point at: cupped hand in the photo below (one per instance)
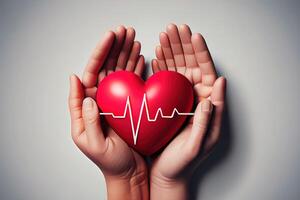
(187, 53)
(116, 51)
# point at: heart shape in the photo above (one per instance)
(146, 115)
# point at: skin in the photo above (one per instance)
(187, 53)
(125, 171)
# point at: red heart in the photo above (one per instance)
(164, 91)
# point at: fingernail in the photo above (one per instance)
(87, 103)
(206, 106)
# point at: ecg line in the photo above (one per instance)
(144, 104)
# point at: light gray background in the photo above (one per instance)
(255, 44)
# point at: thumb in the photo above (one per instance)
(200, 124)
(91, 119)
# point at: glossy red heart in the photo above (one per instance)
(122, 93)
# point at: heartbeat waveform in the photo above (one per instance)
(144, 104)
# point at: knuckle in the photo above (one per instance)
(91, 119)
(75, 103)
(201, 124)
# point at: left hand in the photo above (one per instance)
(123, 168)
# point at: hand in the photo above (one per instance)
(188, 54)
(125, 170)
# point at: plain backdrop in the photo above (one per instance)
(255, 44)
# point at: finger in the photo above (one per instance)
(75, 107)
(189, 54)
(218, 100)
(204, 60)
(112, 58)
(124, 54)
(140, 66)
(160, 58)
(201, 91)
(176, 46)
(91, 118)
(166, 46)
(91, 92)
(199, 127)
(135, 52)
(155, 67)
(101, 76)
(97, 59)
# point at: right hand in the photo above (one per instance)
(187, 53)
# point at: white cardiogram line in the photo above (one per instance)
(144, 104)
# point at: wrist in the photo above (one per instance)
(134, 187)
(168, 188)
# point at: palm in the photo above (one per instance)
(117, 51)
(187, 54)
